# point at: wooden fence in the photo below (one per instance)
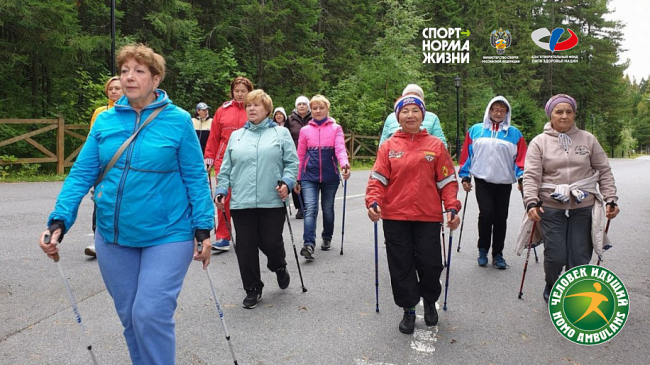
(359, 147)
(50, 124)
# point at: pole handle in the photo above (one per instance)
(47, 239)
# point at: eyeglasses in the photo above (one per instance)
(499, 111)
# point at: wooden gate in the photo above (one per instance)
(50, 124)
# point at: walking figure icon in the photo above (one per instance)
(596, 299)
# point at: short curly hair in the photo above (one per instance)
(260, 96)
(143, 55)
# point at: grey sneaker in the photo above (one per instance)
(326, 245)
(307, 252)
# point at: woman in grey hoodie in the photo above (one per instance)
(564, 165)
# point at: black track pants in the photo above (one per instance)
(567, 240)
(258, 229)
(493, 201)
(414, 261)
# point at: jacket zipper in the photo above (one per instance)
(120, 188)
(257, 162)
(320, 159)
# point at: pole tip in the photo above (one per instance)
(444, 307)
(520, 295)
(304, 290)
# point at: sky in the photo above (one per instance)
(636, 15)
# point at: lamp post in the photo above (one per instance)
(113, 37)
(457, 85)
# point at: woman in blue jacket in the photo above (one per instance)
(151, 206)
(258, 156)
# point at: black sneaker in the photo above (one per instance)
(326, 245)
(252, 298)
(430, 314)
(547, 292)
(407, 325)
(299, 214)
(283, 277)
(307, 252)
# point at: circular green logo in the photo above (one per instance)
(589, 305)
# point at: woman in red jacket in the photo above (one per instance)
(412, 176)
(228, 118)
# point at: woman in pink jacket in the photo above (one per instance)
(321, 150)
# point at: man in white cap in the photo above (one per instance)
(298, 119)
(431, 121)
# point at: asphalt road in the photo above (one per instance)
(335, 321)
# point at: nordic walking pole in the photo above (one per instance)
(606, 230)
(295, 252)
(451, 238)
(374, 207)
(73, 301)
(345, 194)
(534, 248)
(523, 275)
(462, 221)
(444, 250)
(225, 219)
(302, 205)
(212, 195)
(216, 302)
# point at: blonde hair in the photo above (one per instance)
(108, 83)
(260, 96)
(143, 55)
(319, 99)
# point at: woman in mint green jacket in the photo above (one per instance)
(258, 156)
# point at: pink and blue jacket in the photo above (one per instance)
(320, 148)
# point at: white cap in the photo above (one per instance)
(281, 110)
(413, 88)
(302, 99)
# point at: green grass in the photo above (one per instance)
(362, 164)
(35, 178)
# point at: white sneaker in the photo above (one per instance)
(90, 251)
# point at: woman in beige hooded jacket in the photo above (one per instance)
(563, 167)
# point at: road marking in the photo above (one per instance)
(425, 340)
(367, 362)
(340, 198)
(351, 196)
